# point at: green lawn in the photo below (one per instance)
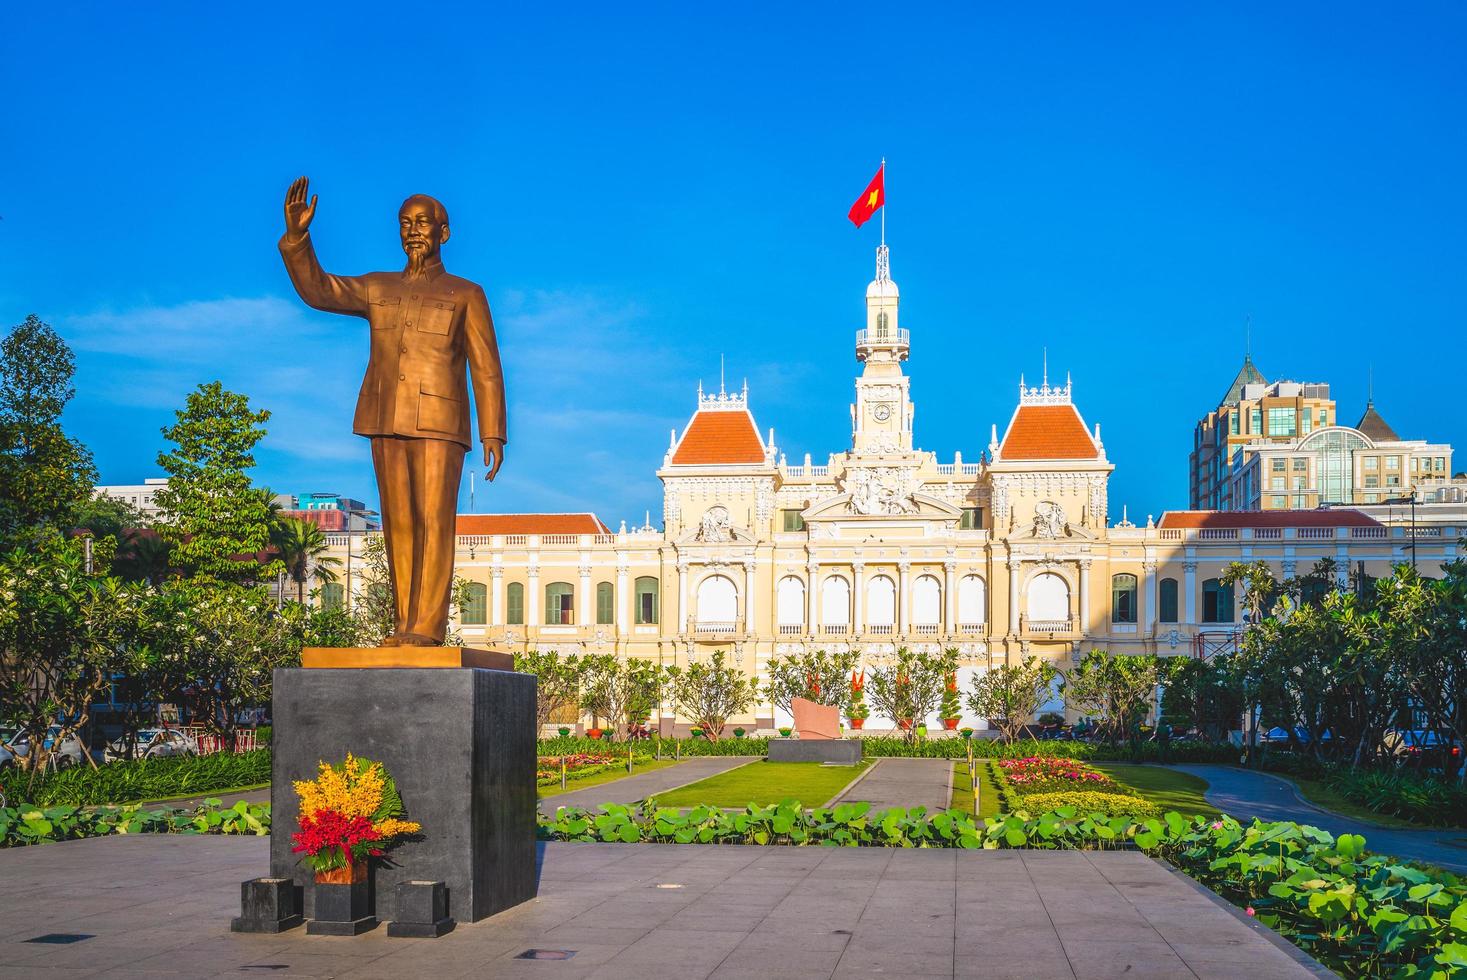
(962, 798)
(1167, 788)
(618, 772)
(765, 782)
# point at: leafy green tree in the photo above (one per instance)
(144, 556)
(1117, 688)
(65, 634)
(44, 474)
(624, 692)
(1203, 694)
(217, 521)
(1011, 693)
(302, 549)
(817, 675)
(911, 688)
(709, 693)
(557, 682)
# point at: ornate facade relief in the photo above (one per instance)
(884, 490)
(1049, 520)
(715, 527)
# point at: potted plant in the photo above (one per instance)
(905, 724)
(564, 731)
(858, 712)
(738, 733)
(593, 733)
(349, 814)
(785, 732)
(967, 733)
(695, 732)
(952, 711)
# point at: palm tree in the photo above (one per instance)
(143, 556)
(302, 547)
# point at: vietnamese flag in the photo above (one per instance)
(871, 199)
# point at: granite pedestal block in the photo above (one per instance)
(268, 905)
(341, 910)
(422, 911)
(459, 742)
(833, 751)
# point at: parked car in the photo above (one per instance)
(70, 753)
(153, 743)
(1280, 736)
(1419, 746)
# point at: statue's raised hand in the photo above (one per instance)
(298, 213)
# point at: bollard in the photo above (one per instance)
(677, 748)
(562, 774)
(629, 759)
(973, 781)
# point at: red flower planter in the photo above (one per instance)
(905, 724)
(951, 724)
(352, 873)
(593, 733)
(856, 724)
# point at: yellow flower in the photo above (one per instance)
(348, 791)
(391, 827)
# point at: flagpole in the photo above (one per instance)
(883, 201)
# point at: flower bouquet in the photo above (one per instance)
(350, 812)
(858, 712)
(952, 712)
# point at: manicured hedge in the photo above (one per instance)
(1090, 801)
(1360, 914)
(138, 780)
(35, 825)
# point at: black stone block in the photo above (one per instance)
(341, 903)
(833, 751)
(422, 911)
(460, 743)
(268, 905)
(330, 927)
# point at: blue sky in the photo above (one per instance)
(643, 189)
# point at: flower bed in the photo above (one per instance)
(1115, 804)
(139, 779)
(579, 765)
(1039, 774)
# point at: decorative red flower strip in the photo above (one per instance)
(326, 830)
(1030, 774)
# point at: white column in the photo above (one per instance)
(812, 598)
(1148, 617)
(749, 624)
(584, 599)
(532, 595)
(949, 596)
(1015, 566)
(496, 594)
(623, 598)
(904, 614)
(1190, 585)
(682, 596)
(858, 597)
(1084, 596)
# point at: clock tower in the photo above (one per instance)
(881, 418)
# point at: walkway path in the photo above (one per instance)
(1247, 794)
(905, 783)
(159, 905)
(640, 786)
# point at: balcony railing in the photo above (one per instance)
(1047, 625)
(834, 629)
(973, 629)
(880, 629)
(884, 337)
(716, 627)
(925, 629)
(791, 629)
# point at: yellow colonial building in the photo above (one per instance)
(1005, 553)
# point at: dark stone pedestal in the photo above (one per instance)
(341, 910)
(268, 905)
(833, 751)
(422, 911)
(460, 743)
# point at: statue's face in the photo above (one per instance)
(422, 232)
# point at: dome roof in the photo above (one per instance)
(882, 287)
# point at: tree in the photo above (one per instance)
(302, 549)
(911, 689)
(1118, 688)
(44, 474)
(65, 634)
(1203, 694)
(557, 682)
(1011, 693)
(709, 693)
(817, 676)
(624, 692)
(144, 556)
(217, 521)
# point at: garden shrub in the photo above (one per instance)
(1423, 799)
(138, 780)
(34, 825)
(1116, 804)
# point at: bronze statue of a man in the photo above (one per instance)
(414, 403)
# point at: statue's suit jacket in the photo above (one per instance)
(423, 330)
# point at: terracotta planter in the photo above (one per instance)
(951, 724)
(352, 873)
(905, 724)
(594, 733)
(856, 723)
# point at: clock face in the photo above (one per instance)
(881, 412)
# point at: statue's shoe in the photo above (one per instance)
(416, 640)
(392, 641)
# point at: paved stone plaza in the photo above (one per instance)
(159, 906)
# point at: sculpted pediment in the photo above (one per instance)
(714, 528)
(918, 506)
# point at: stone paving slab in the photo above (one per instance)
(639, 786)
(159, 907)
(893, 782)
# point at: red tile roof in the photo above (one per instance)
(1267, 518)
(531, 524)
(1047, 432)
(719, 437)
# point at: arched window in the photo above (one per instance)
(1048, 598)
(1168, 600)
(560, 601)
(972, 601)
(835, 601)
(333, 595)
(880, 601)
(926, 601)
(881, 325)
(718, 600)
(1123, 598)
(647, 591)
(1217, 602)
(605, 604)
(791, 601)
(476, 605)
(514, 603)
